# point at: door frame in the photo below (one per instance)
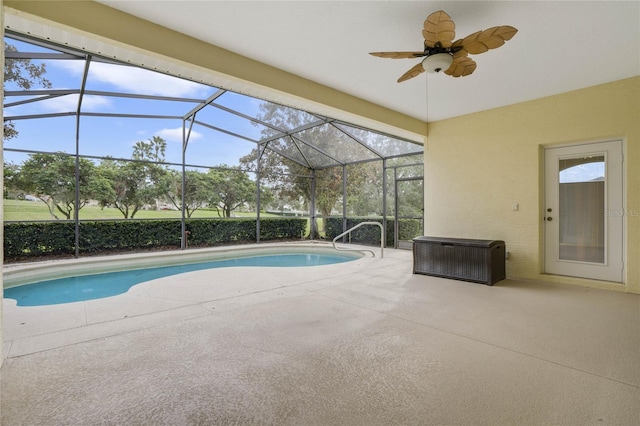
(618, 211)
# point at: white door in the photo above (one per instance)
(583, 212)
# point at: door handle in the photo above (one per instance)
(549, 218)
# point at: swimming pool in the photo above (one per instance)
(100, 285)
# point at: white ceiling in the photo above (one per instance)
(560, 45)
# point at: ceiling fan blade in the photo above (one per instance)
(481, 41)
(397, 55)
(413, 72)
(438, 27)
(460, 53)
(461, 66)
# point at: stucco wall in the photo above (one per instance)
(478, 166)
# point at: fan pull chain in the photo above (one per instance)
(426, 97)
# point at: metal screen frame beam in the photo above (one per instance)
(293, 134)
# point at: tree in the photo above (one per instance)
(367, 198)
(292, 179)
(267, 197)
(134, 184)
(23, 74)
(232, 188)
(198, 187)
(151, 150)
(102, 187)
(12, 185)
(51, 178)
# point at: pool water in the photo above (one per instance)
(96, 286)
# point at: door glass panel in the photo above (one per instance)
(582, 209)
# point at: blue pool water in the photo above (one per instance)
(88, 287)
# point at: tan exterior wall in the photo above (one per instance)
(478, 166)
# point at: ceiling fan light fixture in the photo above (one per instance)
(438, 62)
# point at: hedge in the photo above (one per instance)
(370, 235)
(24, 240)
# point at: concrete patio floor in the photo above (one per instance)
(360, 343)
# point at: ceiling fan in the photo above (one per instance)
(442, 53)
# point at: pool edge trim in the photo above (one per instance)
(20, 274)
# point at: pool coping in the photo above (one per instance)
(24, 273)
(182, 297)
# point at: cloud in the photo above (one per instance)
(132, 79)
(175, 135)
(69, 103)
(582, 173)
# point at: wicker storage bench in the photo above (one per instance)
(480, 261)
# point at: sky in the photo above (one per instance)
(115, 136)
(100, 136)
(585, 172)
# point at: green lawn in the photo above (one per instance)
(37, 210)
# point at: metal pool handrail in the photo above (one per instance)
(348, 231)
